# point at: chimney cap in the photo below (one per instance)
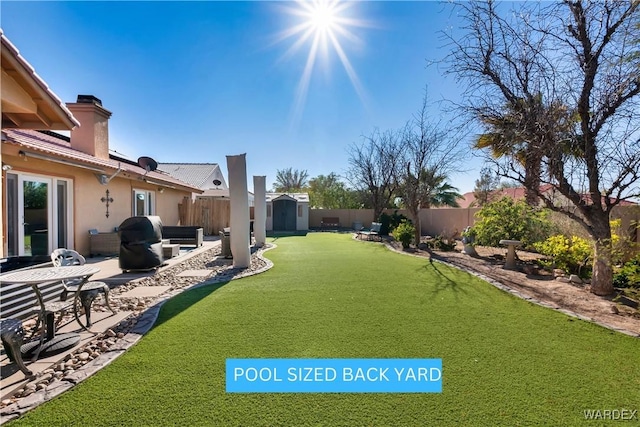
(89, 99)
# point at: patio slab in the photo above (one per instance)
(145, 291)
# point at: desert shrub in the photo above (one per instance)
(509, 219)
(571, 254)
(404, 233)
(440, 243)
(628, 275)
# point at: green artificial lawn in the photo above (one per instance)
(505, 361)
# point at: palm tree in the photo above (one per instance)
(528, 130)
(427, 189)
(290, 180)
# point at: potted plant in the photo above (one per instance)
(469, 241)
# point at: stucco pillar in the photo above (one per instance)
(260, 209)
(237, 168)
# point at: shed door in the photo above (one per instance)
(284, 215)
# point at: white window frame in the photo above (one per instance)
(149, 202)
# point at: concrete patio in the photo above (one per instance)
(104, 322)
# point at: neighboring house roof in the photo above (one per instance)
(298, 197)
(58, 147)
(42, 109)
(519, 193)
(200, 175)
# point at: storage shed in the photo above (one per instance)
(287, 211)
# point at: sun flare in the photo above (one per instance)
(323, 25)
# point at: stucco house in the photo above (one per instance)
(56, 188)
(287, 211)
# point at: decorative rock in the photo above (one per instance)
(27, 392)
(574, 278)
(68, 372)
(562, 279)
(44, 378)
(615, 310)
(110, 333)
(558, 272)
(29, 323)
(41, 386)
(30, 386)
(120, 334)
(83, 356)
(7, 402)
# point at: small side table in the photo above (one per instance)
(511, 245)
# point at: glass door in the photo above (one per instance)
(35, 214)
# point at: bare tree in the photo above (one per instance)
(431, 152)
(485, 187)
(373, 167)
(560, 82)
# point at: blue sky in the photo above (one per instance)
(195, 81)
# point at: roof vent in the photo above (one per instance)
(88, 99)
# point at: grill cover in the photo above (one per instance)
(140, 243)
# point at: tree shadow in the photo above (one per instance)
(179, 303)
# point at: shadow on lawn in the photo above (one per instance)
(183, 301)
(443, 282)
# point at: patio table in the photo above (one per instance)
(40, 276)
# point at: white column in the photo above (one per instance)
(237, 168)
(260, 209)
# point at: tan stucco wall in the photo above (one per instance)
(89, 211)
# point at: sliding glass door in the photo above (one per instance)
(38, 218)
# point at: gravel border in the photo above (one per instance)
(105, 348)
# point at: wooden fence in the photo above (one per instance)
(209, 213)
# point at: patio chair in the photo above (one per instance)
(12, 335)
(90, 290)
(372, 233)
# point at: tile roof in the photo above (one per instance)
(58, 146)
(200, 175)
(13, 51)
(518, 193)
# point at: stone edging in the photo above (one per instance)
(519, 294)
(144, 324)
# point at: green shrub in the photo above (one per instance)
(384, 219)
(396, 219)
(571, 254)
(404, 233)
(513, 220)
(628, 275)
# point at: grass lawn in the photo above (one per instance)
(505, 361)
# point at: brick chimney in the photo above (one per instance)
(92, 137)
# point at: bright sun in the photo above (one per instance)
(322, 24)
(322, 17)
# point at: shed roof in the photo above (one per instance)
(298, 197)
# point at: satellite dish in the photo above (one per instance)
(147, 163)
(217, 182)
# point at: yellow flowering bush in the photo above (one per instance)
(570, 254)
